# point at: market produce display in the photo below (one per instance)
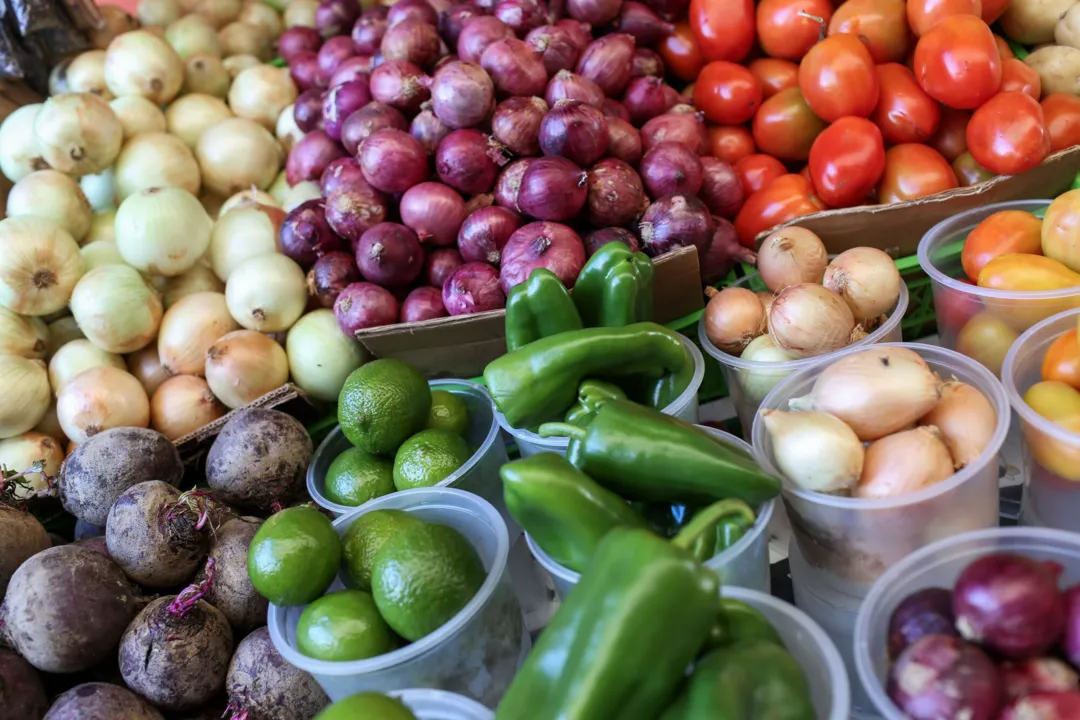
(1055, 397)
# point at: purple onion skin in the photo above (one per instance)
(515, 67)
(580, 32)
(367, 35)
(412, 40)
(393, 161)
(1010, 604)
(340, 102)
(485, 233)
(941, 676)
(926, 612)
(336, 17)
(723, 252)
(463, 161)
(669, 9)
(516, 124)
(644, 99)
(556, 46)
(415, 9)
(508, 184)
(305, 235)
(1043, 706)
(462, 94)
(552, 188)
(400, 84)
(541, 244)
(441, 264)
(331, 274)
(615, 109)
(593, 12)
(310, 157)
(375, 11)
(369, 119)
(676, 221)
(565, 85)
(575, 131)
(334, 52)
(684, 127)
(624, 142)
(434, 211)
(340, 172)
(298, 40)
(641, 23)
(453, 19)
(721, 190)
(647, 63)
(477, 34)
(474, 287)
(608, 61)
(616, 195)
(521, 16)
(365, 305)
(670, 168)
(428, 129)
(354, 69)
(390, 255)
(423, 303)
(1043, 674)
(352, 208)
(307, 112)
(304, 71)
(599, 238)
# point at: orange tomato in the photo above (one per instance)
(1016, 76)
(925, 14)
(986, 339)
(774, 75)
(1003, 47)
(1008, 231)
(731, 143)
(1062, 361)
(1061, 230)
(681, 54)
(1058, 458)
(1025, 272)
(881, 24)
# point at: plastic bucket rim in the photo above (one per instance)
(441, 696)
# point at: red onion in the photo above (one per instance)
(367, 35)
(464, 162)
(376, 11)
(599, 238)
(434, 211)
(508, 184)
(926, 612)
(393, 160)
(574, 130)
(343, 171)
(371, 118)
(304, 71)
(676, 221)
(624, 141)
(556, 46)
(390, 255)
(365, 305)
(721, 190)
(441, 264)
(645, 99)
(333, 52)
(580, 32)
(552, 188)
(485, 232)
(423, 303)
(1044, 674)
(305, 235)
(565, 85)
(685, 127)
(336, 17)
(415, 9)
(307, 112)
(615, 109)
(298, 40)
(477, 34)
(352, 208)
(515, 67)
(670, 9)
(646, 63)
(462, 94)
(1070, 643)
(723, 252)
(541, 244)
(668, 168)
(641, 23)
(310, 156)
(356, 68)
(516, 124)
(521, 16)
(340, 102)
(1010, 604)
(593, 12)
(608, 61)
(412, 40)
(400, 84)
(428, 129)
(616, 196)
(474, 287)
(331, 274)
(941, 676)
(1044, 706)
(452, 20)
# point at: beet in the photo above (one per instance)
(231, 591)
(261, 682)
(21, 693)
(941, 676)
(21, 537)
(97, 544)
(1045, 674)
(100, 701)
(389, 254)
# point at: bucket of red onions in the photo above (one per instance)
(980, 626)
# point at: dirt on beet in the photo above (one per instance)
(21, 537)
(101, 701)
(22, 694)
(263, 683)
(231, 592)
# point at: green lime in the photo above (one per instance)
(357, 476)
(294, 556)
(369, 706)
(382, 403)
(364, 538)
(428, 458)
(448, 412)
(342, 626)
(423, 576)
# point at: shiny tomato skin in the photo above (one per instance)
(731, 143)
(786, 198)
(774, 75)
(1017, 76)
(1003, 46)
(846, 161)
(992, 10)
(784, 31)
(680, 53)
(785, 126)
(724, 29)
(957, 62)
(805, 173)
(757, 172)
(925, 14)
(1007, 135)
(881, 24)
(727, 93)
(904, 112)
(951, 137)
(1061, 113)
(1003, 233)
(837, 78)
(913, 171)
(968, 172)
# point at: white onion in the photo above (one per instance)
(286, 130)
(162, 231)
(58, 77)
(24, 385)
(86, 73)
(300, 193)
(807, 320)
(157, 12)
(200, 278)
(262, 16)
(54, 196)
(39, 265)
(867, 279)
(61, 332)
(100, 190)
(138, 115)
(240, 38)
(19, 153)
(100, 252)
(245, 198)
(102, 227)
(191, 115)
(78, 133)
(237, 64)
(260, 93)
(755, 384)
(188, 330)
(26, 337)
(241, 235)
(74, 358)
(320, 355)
(206, 74)
(116, 309)
(280, 189)
(141, 63)
(299, 13)
(22, 451)
(237, 154)
(100, 399)
(49, 424)
(790, 256)
(814, 450)
(156, 160)
(192, 35)
(182, 405)
(117, 21)
(146, 367)
(217, 12)
(245, 365)
(267, 293)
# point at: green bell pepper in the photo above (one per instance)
(591, 395)
(620, 644)
(642, 454)
(538, 382)
(665, 519)
(725, 533)
(562, 509)
(539, 307)
(739, 622)
(615, 288)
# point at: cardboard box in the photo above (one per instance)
(462, 346)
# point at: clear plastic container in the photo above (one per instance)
(476, 653)
(848, 542)
(442, 705)
(1051, 453)
(939, 565)
(749, 382)
(744, 564)
(685, 407)
(479, 475)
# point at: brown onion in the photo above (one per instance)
(516, 124)
(565, 85)
(556, 46)
(369, 119)
(721, 190)
(552, 188)
(608, 61)
(401, 84)
(441, 264)
(423, 303)
(677, 126)
(367, 35)
(515, 67)
(624, 141)
(807, 320)
(477, 34)
(310, 156)
(485, 233)
(616, 196)
(364, 305)
(183, 404)
(389, 254)
(474, 287)
(790, 256)
(733, 317)
(331, 274)
(676, 221)
(670, 168)
(599, 238)
(453, 19)
(393, 161)
(645, 99)
(415, 9)
(412, 40)
(593, 12)
(464, 162)
(354, 207)
(508, 184)
(462, 94)
(244, 365)
(647, 63)
(434, 211)
(549, 245)
(574, 130)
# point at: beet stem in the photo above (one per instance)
(190, 596)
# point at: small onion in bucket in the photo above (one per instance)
(244, 365)
(474, 287)
(807, 320)
(549, 245)
(943, 676)
(320, 356)
(267, 293)
(162, 231)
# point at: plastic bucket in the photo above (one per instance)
(441, 705)
(480, 475)
(749, 382)
(1051, 453)
(939, 565)
(476, 653)
(848, 542)
(685, 407)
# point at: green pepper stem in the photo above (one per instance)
(706, 520)
(561, 429)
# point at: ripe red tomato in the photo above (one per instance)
(805, 173)
(1007, 135)
(758, 171)
(925, 14)
(951, 137)
(727, 93)
(785, 31)
(846, 161)
(785, 126)
(954, 308)
(774, 75)
(914, 171)
(724, 29)
(680, 53)
(1061, 113)
(1003, 46)
(904, 112)
(1016, 76)
(786, 198)
(968, 172)
(730, 143)
(837, 78)
(957, 62)
(992, 10)
(881, 24)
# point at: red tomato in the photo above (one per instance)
(786, 198)
(730, 143)
(881, 24)
(1061, 113)
(951, 137)
(925, 14)
(785, 126)
(914, 171)
(1002, 45)
(758, 171)
(954, 307)
(774, 75)
(957, 62)
(680, 53)
(1007, 135)
(992, 10)
(846, 161)
(805, 173)
(727, 93)
(1018, 77)
(837, 78)
(904, 112)
(968, 172)
(785, 31)
(724, 29)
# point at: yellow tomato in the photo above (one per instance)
(1054, 400)
(1020, 273)
(986, 338)
(1060, 457)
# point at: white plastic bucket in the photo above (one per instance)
(442, 705)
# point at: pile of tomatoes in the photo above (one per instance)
(871, 101)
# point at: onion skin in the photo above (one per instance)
(485, 233)
(305, 235)
(967, 421)
(552, 188)
(1044, 674)
(941, 676)
(182, 405)
(904, 462)
(624, 142)
(434, 211)
(473, 288)
(733, 317)
(807, 320)
(462, 94)
(365, 305)
(565, 85)
(867, 279)
(574, 130)
(351, 210)
(721, 190)
(1043, 706)
(616, 196)
(515, 67)
(367, 120)
(516, 124)
(608, 61)
(682, 127)
(423, 303)
(428, 129)
(412, 40)
(814, 450)
(393, 161)
(669, 168)
(556, 46)
(310, 157)
(463, 161)
(331, 274)
(508, 183)
(441, 264)
(648, 64)
(676, 221)
(599, 238)
(389, 254)
(400, 84)
(477, 34)
(541, 244)
(925, 612)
